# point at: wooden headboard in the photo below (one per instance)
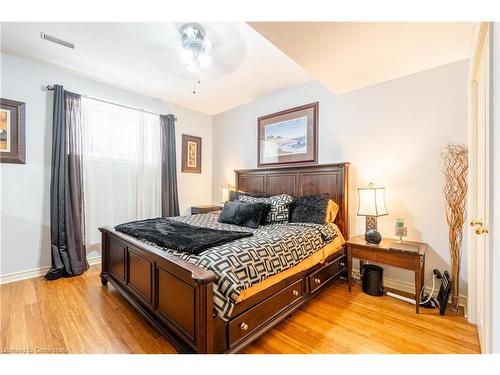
(299, 181)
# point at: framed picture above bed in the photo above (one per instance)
(191, 154)
(12, 131)
(289, 136)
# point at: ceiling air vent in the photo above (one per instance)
(53, 39)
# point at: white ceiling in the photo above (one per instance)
(145, 58)
(346, 56)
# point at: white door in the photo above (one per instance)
(480, 298)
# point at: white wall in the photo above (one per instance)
(392, 133)
(25, 189)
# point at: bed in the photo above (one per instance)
(198, 310)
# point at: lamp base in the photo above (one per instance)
(371, 222)
(372, 236)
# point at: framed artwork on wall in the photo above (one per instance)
(289, 136)
(191, 154)
(12, 132)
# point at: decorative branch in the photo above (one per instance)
(455, 164)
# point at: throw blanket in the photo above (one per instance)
(176, 235)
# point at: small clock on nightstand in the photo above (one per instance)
(204, 209)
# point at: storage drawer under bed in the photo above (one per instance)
(247, 322)
(320, 277)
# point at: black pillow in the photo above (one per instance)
(228, 212)
(251, 214)
(309, 209)
(244, 214)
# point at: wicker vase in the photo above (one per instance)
(454, 167)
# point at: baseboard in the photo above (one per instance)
(37, 272)
(410, 288)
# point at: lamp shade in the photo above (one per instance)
(371, 201)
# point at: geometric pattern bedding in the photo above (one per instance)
(245, 262)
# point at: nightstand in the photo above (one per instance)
(408, 255)
(204, 209)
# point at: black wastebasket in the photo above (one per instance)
(372, 277)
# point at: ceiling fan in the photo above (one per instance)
(212, 54)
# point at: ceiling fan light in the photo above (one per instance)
(193, 38)
(190, 32)
(195, 47)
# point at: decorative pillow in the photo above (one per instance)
(235, 195)
(279, 206)
(228, 212)
(331, 211)
(244, 214)
(309, 209)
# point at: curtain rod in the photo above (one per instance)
(51, 88)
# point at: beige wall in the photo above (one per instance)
(392, 133)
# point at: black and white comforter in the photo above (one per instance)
(245, 262)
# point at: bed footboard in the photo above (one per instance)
(175, 296)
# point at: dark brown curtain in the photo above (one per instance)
(169, 196)
(67, 220)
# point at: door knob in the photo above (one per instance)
(479, 227)
(481, 230)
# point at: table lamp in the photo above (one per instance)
(226, 193)
(372, 205)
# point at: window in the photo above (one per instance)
(122, 166)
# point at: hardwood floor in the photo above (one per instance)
(78, 315)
